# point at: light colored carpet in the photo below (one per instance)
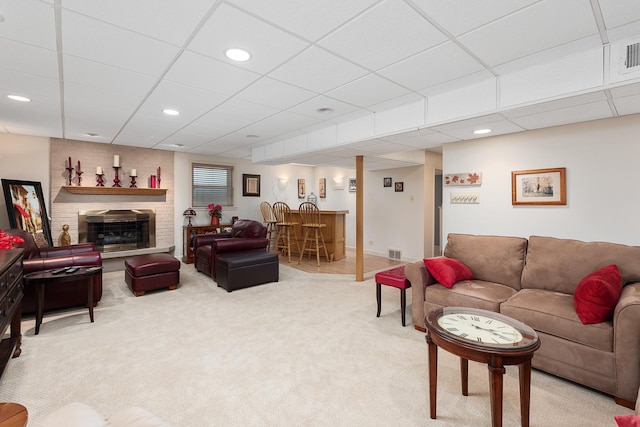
(307, 351)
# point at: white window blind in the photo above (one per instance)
(211, 184)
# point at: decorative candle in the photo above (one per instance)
(158, 173)
(69, 162)
(116, 161)
(99, 170)
(133, 172)
(78, 170)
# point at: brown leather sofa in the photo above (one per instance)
(534, 280)
(65, 294)
(246, 235)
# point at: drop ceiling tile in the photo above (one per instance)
(573, 114)
(427, 140)
(279, 124)
(154, 127)
(241, 109)
(29, 85)
(376, 41)
(367, 91)
(165, 20)
(112, 80)
(497, 128)
(28, 22)
(193, 69)
(310, 20)
(531, 30)
(216, 124)
(461, 16)
(136, 139)
(627, 104)
(97, 41)
(619, 12)
(190, 102)
(28, 59)
(274, 93)
(318, 70)
(229, 27)
(184, 138)
(106, 126)
(558, 104)
(627, 90)
(311, 107)
(80, 100)
(432, 67)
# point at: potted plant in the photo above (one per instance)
(216, 213)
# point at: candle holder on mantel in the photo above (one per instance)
(133, 182)
(79, 175)
(70, 177)
(100, 179)
(116, 180)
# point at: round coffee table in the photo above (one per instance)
(13, 415)
(50, 277)
(486, 337)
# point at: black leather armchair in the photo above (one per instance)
(246, 235)
(64, 294)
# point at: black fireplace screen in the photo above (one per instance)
(117, 230)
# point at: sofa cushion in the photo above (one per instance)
(553, 313)
(490, 258)
(470, 293)
(447, 271)
(559, 264)
(597, 294)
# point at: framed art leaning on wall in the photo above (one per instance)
(27, 210)
(539, 187)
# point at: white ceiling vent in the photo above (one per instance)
(633, 56)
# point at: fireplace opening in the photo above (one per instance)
(118, 230)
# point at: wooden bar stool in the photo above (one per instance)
(310, 216)
(269, 220)
(282, 212)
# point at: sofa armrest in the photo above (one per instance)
(420, 278)
(60, 251)
(626, 319)
(236, 244)
(208, 239)
(39, 264)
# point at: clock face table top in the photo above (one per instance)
(486, 337)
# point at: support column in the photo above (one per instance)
(359, 219)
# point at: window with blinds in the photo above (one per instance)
(211, 184)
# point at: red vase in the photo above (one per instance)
(215, 220)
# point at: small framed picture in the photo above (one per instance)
(352, 185)
(399, 187)
(301, 189)
(322, 185)
(250, 185)
(386, 182)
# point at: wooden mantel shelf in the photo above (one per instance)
(116, 190)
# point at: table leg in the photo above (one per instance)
(525, 392)
(90, 298)
(433, 375)
(464, 376)
(496, 372)
(378, 295)
(39, 305)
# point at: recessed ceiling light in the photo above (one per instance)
(19, 98)
(236, 54)
(170, 112)
(481, 131)
(325, 110)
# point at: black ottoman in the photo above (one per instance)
(237, 270)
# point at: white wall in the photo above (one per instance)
(601, 158)
(24, 158)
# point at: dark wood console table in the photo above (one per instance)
(10, 301)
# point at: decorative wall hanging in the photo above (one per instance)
(467, 178)
(322, 185)
(399, 187)
(352, 184)
(301, 189)
(250, 185)
(386, 182)
(539, 187)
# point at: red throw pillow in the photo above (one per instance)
(627, 420)
(597, 294)
(447, 271)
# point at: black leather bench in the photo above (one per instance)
(238, 270)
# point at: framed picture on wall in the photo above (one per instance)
(386, 182)
(301, 189)
(352, 185)
(539, 187)
(399, 187)
(250, 185)
(27, 210)
(322, 188)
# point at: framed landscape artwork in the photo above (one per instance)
(539, 187)
(27, 210)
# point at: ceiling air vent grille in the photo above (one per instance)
(633, 55)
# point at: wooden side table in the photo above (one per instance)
(13, 415)
(486, 337)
